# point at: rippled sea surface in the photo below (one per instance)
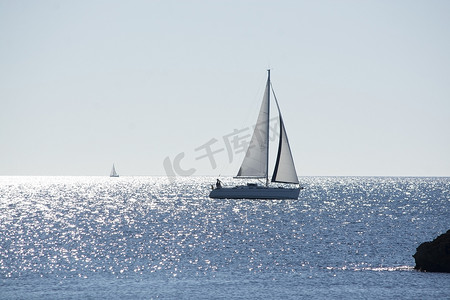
(150, 237)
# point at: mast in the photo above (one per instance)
(267, 125)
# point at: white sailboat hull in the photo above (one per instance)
(255, 192)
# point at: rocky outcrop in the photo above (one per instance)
(434, 256)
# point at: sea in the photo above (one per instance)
(164, 238)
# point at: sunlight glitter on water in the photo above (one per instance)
(155, 228)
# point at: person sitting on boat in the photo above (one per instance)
(218, 184)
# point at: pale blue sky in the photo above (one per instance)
(364, 86)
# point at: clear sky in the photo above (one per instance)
(364, 86)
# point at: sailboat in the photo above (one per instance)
(113, 172)
(256, 162)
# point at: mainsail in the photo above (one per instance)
(256, 159)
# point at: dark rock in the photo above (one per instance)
(434, 256)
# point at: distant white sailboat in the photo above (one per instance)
(113, 172)
(256, 162)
